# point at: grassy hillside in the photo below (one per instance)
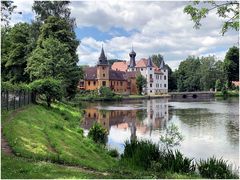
(54, 135)
(17, 167)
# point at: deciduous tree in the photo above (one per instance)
(228, 10)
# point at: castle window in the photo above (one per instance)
(103, 68)
(104, 83)
(103, 75)
(94, 83)
(160, 77)
(121, 83)
(150, 85)
(150, 91)
(165, 77)
(165, 85)
(89, 82)
(150, 76)
(150, 68)
(164, 70)
(141, 69)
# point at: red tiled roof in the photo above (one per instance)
(123, 66)
(120, 66)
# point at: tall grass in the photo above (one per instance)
(140, 153)
(215, 169)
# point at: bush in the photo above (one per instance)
(215, 169)
(98, 133)
(113, 153)
(50, 88)
(175, 162)
(106, 92)
(140, 153)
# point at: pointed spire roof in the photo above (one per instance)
(162, 64)
(149, 63)
(132, 55)
(102, 60)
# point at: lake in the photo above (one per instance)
(209, 127)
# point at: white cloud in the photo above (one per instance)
(159, 27)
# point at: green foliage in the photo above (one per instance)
(113, 153)
(55, 55)
(12, 87)
(157, 59)
(140, 153)
(229, 11)
(45, 9)
(172, 137)
(215, 169)
(173, 162)
(231, 64)
(218, 85)
(106, 92)
(141, 83)
(98, 133)
(172, 81)
(48, 87)
(14, 52)
(199, 74)
(7, 8)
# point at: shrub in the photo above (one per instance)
(106, 92)
(98, 133)
(215, 169)
(141, 153)
(175, 162)
(113, 153)
(50, 88)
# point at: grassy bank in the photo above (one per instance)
(17, 167)
(47, 141)
(53, 135)
(233, 93)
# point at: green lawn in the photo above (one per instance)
(16, 167)
(40, 133)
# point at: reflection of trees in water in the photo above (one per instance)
(141, 114)
(195, 116)
(232, 127)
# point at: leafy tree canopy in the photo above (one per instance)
(7, 8)
(50, 88)
(141, 82)
(231, 64)
(227, 10)
(14, 52)
(59, 9)
(157, 59)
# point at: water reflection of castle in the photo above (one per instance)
(154, 115)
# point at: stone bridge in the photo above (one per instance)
(192, 95)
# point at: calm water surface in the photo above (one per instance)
(209, 127)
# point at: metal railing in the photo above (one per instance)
(15, 99)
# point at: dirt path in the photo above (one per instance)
(8, 150)
(4, 144)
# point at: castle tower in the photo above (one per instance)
(150, 77)
(103, 70)
(132, 63)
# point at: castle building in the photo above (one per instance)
(121, 76)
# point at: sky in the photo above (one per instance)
(151, 27)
